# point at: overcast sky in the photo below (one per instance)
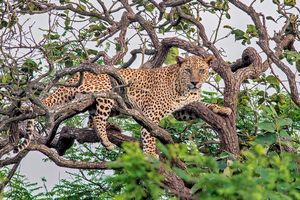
(33, 166)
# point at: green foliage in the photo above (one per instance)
(21, 188)
(267, 118)
(245, 36)
(91, 152)
(86, 185)
(3, 24)
(5, 78)
(52, 36)
(29, 66)
(139, 177)
(128, 125)
(290, 2)
(193, 132)
(257, 175)
(75, 121)
(171, 56)
(293, 57)
(220, 5)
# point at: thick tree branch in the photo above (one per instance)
(58, 160)
(68, 135)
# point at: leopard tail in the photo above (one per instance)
(28, 137)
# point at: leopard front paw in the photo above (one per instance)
(151, 156)
(109, 146)
(224, 111)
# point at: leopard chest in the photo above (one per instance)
(176, 102)
(182, 101)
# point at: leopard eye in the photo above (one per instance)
(188, 70)
(202, 71)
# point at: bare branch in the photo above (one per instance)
(67, 163)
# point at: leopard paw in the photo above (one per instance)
(151, 156)
(224, 111)
(109, 146)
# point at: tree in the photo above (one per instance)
(94, 36)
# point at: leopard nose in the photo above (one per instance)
(194, 82)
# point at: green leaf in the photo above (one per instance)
(100, 62)
(217, 78)
(97, 27)
(259, 149)
(228, 27)
(181, 173)
(69, 63)
(117, 47)
(292, 56)
(272, 80)
(150, 7)
(285, 122)
(81, 7)
(92, 51)
(267, 126)
(266, 139)
(54, 36)
(298, 65)
(251, 29)
(271, 18)
(67, 23)
(196, 187)
(31, 6)
(3, 24)
(238, 34)
(5, 78)
(29, 66)
(290, 2)
(171, 57)
(64, 1)
(227, 15)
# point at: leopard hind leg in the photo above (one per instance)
(148, 141)
(149, 144)
(99, 120)
(92, 112)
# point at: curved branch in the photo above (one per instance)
(264, 44)
(134, 55)
(167, 43)
(67, 163)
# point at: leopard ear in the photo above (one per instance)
(179, 59)
(208, 59)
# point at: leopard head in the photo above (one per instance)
(193, 72)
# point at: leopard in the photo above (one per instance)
(157, 92)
